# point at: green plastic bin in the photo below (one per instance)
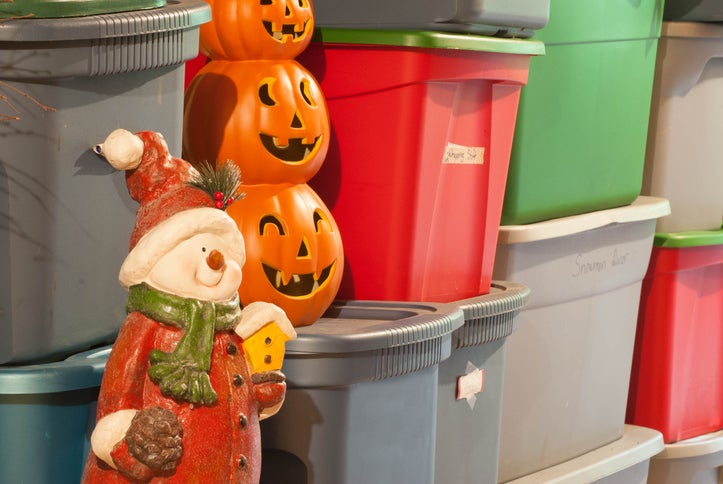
(582, 123)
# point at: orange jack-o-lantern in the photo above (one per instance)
(257, 29)
(294, 253)
(269, 117)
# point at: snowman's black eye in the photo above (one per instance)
(203, 249)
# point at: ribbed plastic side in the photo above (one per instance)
(144, 21)
(141, 52)
(490, 317)
(414, 347)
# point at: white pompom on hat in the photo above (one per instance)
(170, 209)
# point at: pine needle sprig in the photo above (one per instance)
(222, 182)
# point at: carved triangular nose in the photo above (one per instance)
(303, 249)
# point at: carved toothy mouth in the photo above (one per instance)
(299, 285)
(295, 151)
(295, 30)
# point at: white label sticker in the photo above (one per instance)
(463, 155)
(470, 384)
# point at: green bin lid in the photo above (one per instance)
(698, 238)
(71, 8)
(428, 40)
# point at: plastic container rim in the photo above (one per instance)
(428, 40)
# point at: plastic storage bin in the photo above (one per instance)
(568, 363)
(698, 460)
(694, 10)
(676, 384)
(65, 215)
(580, 138)
(469, 404)
(361, 396)
(45, 413)
(422, 127)
(625, 461)
(513, 18)
(684, 142)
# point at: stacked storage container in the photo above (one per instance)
(422, 121)
(676, 385)
(70, 73)
(576, 231)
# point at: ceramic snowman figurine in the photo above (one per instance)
(184, 389)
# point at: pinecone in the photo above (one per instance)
(155, 438)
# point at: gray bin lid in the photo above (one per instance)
(492, 316)
(71, 8)
(176, 15)
(370, 340)
(101, 45)
(83, 370)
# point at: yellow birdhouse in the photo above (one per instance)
(265, 337)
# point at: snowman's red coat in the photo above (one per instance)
(221, 443)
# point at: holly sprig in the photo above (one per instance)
(222, 182)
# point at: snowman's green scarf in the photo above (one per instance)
(183, 373)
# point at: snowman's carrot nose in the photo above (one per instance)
(216, 260)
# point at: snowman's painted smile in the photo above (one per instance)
(299, 284)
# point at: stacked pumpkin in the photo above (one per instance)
(254, 105)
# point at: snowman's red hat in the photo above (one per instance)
(171, 210)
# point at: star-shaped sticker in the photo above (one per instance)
(469, 385)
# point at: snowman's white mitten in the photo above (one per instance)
(108, 431)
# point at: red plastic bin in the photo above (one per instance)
(676, 385)
(422, 126)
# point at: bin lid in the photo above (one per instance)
(490, 317)
(428, 40)
(692, 30)
(701, 446)
(355, 326)
(83, 370)
(643, 208)
(174, 16)
(72, 8)
(689, 239)
(638, 444)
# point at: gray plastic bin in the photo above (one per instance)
(362, 396)
(468, 424)
(65, 215)
(46, 412)
(507, 18)
(568, 363)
